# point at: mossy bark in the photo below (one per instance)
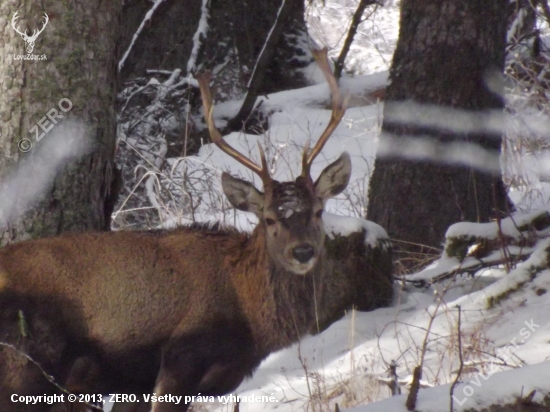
(79, 43)
(361, 277)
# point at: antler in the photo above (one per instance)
(262, 171)
(338, 109)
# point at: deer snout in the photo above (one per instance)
(303, 253)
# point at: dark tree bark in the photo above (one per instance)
(263, 61)
(236, 35)
(449, 54)
(78, 75)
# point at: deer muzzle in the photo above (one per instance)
(303, 253)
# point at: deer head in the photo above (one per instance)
(289, 212)
(29, 40)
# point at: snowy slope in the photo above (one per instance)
(502, 388)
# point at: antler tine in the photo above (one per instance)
(338, 109)
(204, 85)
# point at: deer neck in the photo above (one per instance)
(280, 305)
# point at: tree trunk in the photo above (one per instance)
(56, 167)
(450, 55)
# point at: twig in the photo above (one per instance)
(262, 62)
(49, 377)
(503, 246)
(465, 269)
(415, 386)
(355, 22)
(545, 9)
(417, 373)
(394, 379)
(461, 366)
(147, 17)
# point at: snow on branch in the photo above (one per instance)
(147, 17)
(267, 41)
(470, 247)
(200, 34)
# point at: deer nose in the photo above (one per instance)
(303, 253)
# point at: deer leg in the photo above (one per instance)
(206, 363)
(84, 376)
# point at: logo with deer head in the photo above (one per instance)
(29, 40)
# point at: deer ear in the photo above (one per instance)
(334, 178)
(242, 194)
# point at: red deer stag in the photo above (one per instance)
(201, 305)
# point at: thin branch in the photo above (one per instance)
(263, 61)
(49, 377)
(355, 22)
(545, 10)
(147, 17)
(459, 374)
(469, 269)
(202, 29)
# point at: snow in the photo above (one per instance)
(147, 17)
(345, 225)
(201, 32)
(502, 388)
(508, 227)
(269, 35)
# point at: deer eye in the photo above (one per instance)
(319, 214)
(269, 221)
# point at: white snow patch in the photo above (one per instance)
(508, 227)
(147, 17)
(200, 33)
(345, 225)
(500, 388)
